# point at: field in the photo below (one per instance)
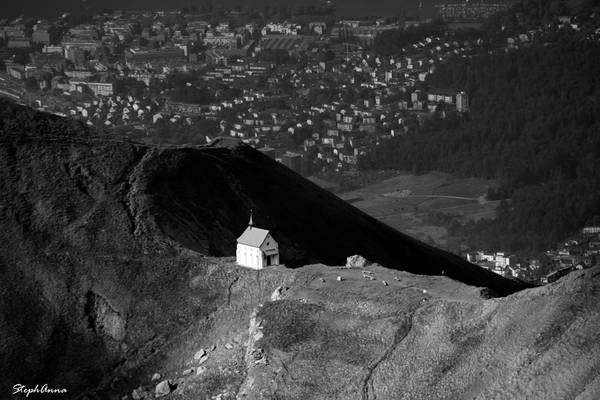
(406, 201)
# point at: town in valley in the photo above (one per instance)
(311, 90)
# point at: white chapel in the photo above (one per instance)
(256, 248)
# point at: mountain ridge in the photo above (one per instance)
(214, 188)
(107, 257)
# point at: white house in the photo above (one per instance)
(256, 248)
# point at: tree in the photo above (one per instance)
(531, 126)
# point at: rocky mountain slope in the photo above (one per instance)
(319, 332)
(111, 255)
(97, 193)
(425, 337)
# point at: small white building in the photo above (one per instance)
(256, 248)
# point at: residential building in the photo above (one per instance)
(99, 88)
(462, 102)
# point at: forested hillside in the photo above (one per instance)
(533, 125)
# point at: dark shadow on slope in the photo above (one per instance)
(204, 197)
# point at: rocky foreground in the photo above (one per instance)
(368, 332)
(214, 330)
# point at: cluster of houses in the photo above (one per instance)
(311, 94)
(15, 33)
(579, 252)
(116, 110)
(394, 95)
(499, 262)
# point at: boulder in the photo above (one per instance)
(139, 393)
(356, 261)
(203, 359)
(188, 371)
(156, 376)
(199, 354)
(228, 346)
(163, 388)
(276, 295)
(258, 356)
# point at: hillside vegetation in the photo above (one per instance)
(533, 126)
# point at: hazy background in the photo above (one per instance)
(344, 8)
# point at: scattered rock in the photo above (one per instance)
(228, 346)
(276, 295)
(200, 370)
(139, 393)
(213, 348)
(369, 277)
(396, 278)
(163, 388)
(339, 278)
(384, 283)
(156, 376)
(356, 261)
(199, 354)
(188, 371)
(322, 280)
(366, 271)
(258, 356)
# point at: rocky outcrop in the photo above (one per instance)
(356, 261)
(163, 388)
(103, 319)
(357, 339)
(108, 256)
